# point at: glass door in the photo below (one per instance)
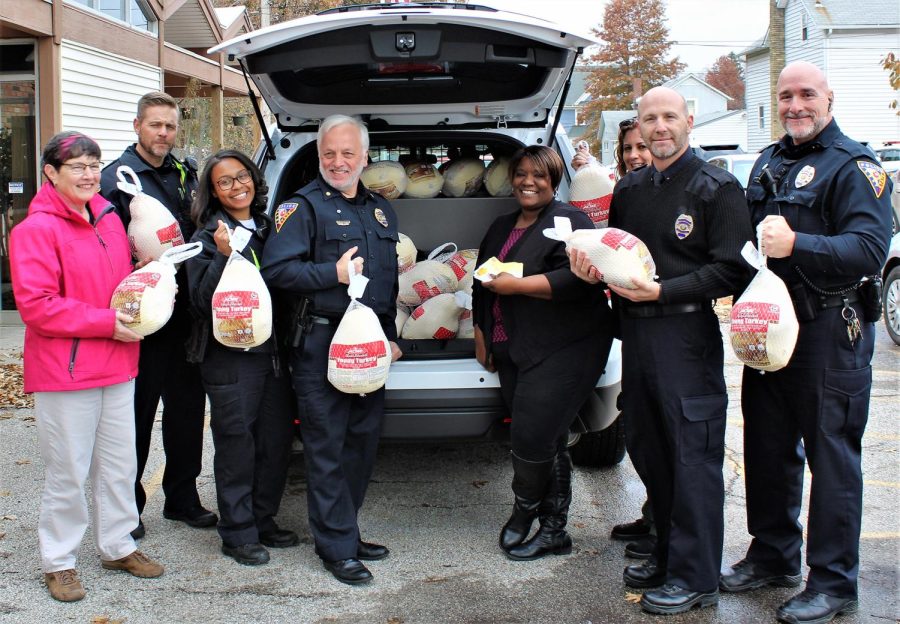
(18, 152)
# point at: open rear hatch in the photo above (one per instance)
(405, 66)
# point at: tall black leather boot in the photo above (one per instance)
(530, 483)
(553, 511)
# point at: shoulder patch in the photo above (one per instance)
(874, 174)
(282, 213)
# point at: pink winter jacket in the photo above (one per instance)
(64, 271)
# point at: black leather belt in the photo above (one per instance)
(650, 310)
(836, 301)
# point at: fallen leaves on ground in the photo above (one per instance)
(105, 619)
(632, 597)
(23, 462)
(9, 517)
(12, 392)
(479, 484)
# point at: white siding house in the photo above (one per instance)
(99, 94)
(846, 39)
(722, 128)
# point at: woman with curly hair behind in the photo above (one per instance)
(250, 397)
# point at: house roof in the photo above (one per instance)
(579, 84)
(680, 80)
(853, 14)
(702, 120)
(760, 45)
(609, 122)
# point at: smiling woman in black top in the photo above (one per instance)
(548, 337)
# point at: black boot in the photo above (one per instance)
(530, 482)
(553, 510)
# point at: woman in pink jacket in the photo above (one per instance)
(67, 257)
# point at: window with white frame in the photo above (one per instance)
(136, 13)
(804, 27)
(761, 116)
(691, 106)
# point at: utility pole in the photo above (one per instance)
(264, 15)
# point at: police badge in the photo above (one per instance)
(379, 216)
(805, 176)
(684, 225)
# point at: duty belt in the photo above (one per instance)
(836, 301)
(650, 310)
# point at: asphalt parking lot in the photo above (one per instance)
(439, 508)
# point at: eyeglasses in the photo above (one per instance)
(78, 169)
(226, 182)
(628, 124)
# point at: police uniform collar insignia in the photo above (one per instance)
(342, 222)
(379, 216)
(684, 225)
(875, 175)
(282, 213)
(805, 176)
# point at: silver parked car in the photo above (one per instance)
(425, 79)
(891, 292)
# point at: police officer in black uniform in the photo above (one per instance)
(693, 218)
(822, 204)
(163, 370)
(319, 231)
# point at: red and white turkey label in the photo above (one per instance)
(139, 281)
(171, 234)
(417, 313)
(596, 209)
(444, 333)
(615, 238)
(233, 304)
(357, 356)
(749, 325)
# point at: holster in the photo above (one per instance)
(870, 298)
(804, 302)
(300, 323)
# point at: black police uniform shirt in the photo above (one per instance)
(693, 218)
(836, 198)
(313, 229)
(174, 184)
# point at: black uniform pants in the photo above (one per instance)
(544, 399)
(163, 372)
(340, 438)
(252, 422)
(817, 414)
(674, 393)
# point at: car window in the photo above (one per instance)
(742, 169)
(719, 162)
(889, 155)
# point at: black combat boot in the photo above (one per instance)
(530, 483)
(553, 510)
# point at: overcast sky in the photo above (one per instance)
(703, 29)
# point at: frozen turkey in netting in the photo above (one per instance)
(425, 280)
(359, 356)
(148, 294)
(385, 177)
(496, 178)
(618, 256)
(591, 192)
(401, 318)
(463, 263)
(152, 228)
(437, 318)
(463, 177)
(406, 253)
(241, 305)
(764, 326)
(424, 181)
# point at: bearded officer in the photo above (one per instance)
(328, 224)
(822, 203)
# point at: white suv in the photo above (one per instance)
(425, 78)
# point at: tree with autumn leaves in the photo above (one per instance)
(727, 75)
(631, 59)
(284, 10)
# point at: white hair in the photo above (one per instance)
(333, 121)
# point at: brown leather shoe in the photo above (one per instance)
(137, 564)
(64, 585)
